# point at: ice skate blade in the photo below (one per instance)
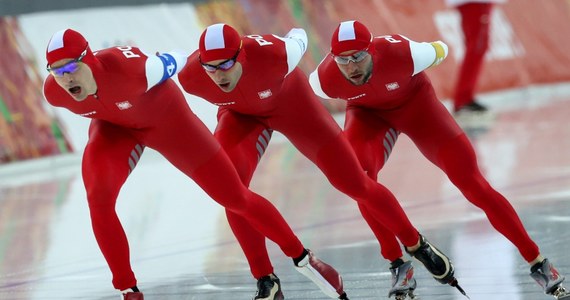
(343, 297)
(455, 284)
(561, 293)
(277, 297)
(406, 296)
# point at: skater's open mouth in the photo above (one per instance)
(75, 90)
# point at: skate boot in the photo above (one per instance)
(403, 281)
(323, 275)
(436, 263)
(269, 288)
(132, 294)
(549, 279)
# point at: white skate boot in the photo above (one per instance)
(323, 275)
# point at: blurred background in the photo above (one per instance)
(527, 49)
(46, 243)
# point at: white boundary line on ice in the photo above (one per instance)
(40, 169)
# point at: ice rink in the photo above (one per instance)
(182, 248)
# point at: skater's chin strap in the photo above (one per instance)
(454, 283)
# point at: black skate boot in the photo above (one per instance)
(323, 275)
(269, 288)
(549, 279)
(403, 281)
(436, 263)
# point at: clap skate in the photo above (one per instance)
(132, 294)
(403, 281)
(269, 288)
(436, 263)
(323, 275)
(561, 293)
(546, 275)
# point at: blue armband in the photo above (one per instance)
(169, 66)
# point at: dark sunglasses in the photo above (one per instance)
(355, 58)
(223, 66)
(70, 67)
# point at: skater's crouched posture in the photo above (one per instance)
(256, 83)
(133, 103)
(387, 93)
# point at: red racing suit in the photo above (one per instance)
(274, 94)
(399, 97)
(137, 105)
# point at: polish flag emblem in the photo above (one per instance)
(124, 105)
(264, 94)
(392, 86)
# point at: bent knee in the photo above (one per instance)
(356, 188)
